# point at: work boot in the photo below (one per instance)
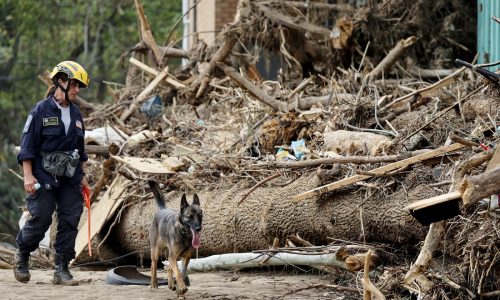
(62, 276)
(21, 262)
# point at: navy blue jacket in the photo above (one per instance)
(44, 131)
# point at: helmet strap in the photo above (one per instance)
(65, 90)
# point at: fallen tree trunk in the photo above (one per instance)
(270, 212)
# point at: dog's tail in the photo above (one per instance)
(160, 200)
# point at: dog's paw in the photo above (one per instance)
(153, 285)
(182, 291)
(171, 286)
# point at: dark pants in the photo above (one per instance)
(67, 200)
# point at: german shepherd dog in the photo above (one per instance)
(181, 234)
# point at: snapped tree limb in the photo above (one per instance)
(391, 58)
(475, 188)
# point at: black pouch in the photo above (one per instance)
(60, 163)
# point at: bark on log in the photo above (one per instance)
(270, 212)
(475, 188)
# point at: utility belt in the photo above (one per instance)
(60, 163)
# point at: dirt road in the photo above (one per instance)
(217, 285)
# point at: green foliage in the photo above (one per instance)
(36, 35)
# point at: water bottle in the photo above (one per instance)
(73, 163)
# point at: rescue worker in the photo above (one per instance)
(52, 155)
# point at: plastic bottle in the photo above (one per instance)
(71, 167)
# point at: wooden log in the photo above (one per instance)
(391, 167)
(327, 100)
(475, 188)
(269, 212)
(144, 164)
(391, 58)
(4, 265)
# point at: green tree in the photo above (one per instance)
(35, 36)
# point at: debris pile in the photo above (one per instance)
(366, 115)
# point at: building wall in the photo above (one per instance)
(205, 20)
(208, 19)
(488, 32)
(226, 10)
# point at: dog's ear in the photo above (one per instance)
(196, 200)
(184, 202)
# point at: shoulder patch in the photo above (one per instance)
(28, 123)
(52, 121)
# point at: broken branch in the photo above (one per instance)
(391, 58)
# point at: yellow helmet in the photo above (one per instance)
(73, 70)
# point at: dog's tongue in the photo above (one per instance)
(196, 239)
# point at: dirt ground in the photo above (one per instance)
(216, 285)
